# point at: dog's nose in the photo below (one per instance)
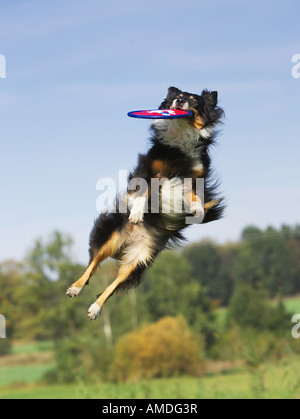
(180, 101)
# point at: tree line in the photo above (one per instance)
(262, 258)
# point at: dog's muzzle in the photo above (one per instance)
(180, 104)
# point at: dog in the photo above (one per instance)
(153, 213)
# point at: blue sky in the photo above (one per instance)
(75, 68)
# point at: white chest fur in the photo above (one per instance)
(180, 133)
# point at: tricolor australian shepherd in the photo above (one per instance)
(170, 186)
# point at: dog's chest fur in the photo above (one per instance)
(181, 134)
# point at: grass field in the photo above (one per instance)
(274, 382)
(21, 377)
(292, 304)
(22, 374)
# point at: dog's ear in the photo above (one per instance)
(211, 98)
(173, 92)
(211, 111)
(214, 98)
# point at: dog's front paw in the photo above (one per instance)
(136, 215)
(197, 209)
(137, 211)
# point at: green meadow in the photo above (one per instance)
(272, 382)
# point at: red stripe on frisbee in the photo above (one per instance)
(160, 114)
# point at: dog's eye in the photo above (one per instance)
(193, 101)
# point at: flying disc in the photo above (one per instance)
(160, 114)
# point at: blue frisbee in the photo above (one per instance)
(160, 114)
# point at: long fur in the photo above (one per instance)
(179, 150)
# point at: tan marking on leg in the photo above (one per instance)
(108, 249)
(190, 197)
(123, 274)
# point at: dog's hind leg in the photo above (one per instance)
(110, 248)
(127, 272)
(137, 254)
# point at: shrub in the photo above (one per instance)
(68, 366)
(162, 349)
(80, 358)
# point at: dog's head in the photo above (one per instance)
(204, 107)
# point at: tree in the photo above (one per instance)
(265, 260)
(48, 269)
(292, 235)
(250, 308)
(210, 268)
(12, 298)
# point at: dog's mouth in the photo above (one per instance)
(181, 104)
(186, 105)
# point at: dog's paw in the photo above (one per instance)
(137, 211)
(73, 291)
(197, 209)
(94, 311)
(136, 215)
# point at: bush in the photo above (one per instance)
(68, 366)
(80, 358)
(162, 349)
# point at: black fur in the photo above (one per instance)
(178, 164)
